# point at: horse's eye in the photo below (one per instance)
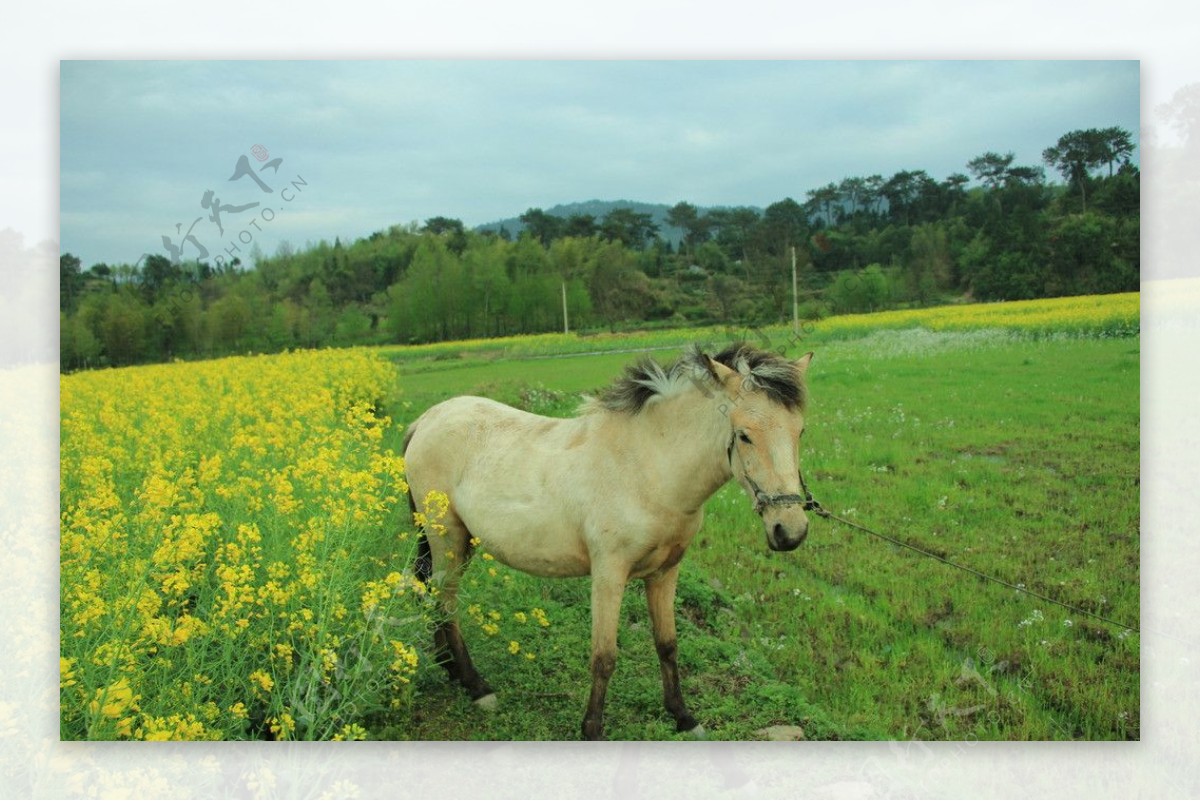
(742, 436)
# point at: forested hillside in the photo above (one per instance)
(997, 231)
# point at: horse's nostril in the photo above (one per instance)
(782, 539)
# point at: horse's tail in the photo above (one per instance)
(424, 566)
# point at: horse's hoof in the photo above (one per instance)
(698, 733)
(487, 702)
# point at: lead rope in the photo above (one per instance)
(812, 505)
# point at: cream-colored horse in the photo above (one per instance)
(617, 492)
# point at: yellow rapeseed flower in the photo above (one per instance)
(66, 672)
(351, 731)
(118, 704)
(263, 680)
(282, 726)
(226, 498)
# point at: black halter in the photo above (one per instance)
(762, 500)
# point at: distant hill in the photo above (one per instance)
(598, 209)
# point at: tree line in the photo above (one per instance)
(999, 231)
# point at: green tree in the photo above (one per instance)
(353, 326)
(683, 215)
(70, 282)
(322, 317)
(229, 323)
(1092, 253)
(175, 323)
(619, 291)
(973, 261)
(568, 260)
(955, 193)
(485, 273)
(1120, 195)
(784, 225)
(872, 196)
(449, 228)
(734, 230)
(425, 305)
(543, 227)
(696, 227)
(821, 202)
(158, 272)
(991, 168)
(1074, 155)
(122, 328)
(861, 291)
(580, 226)
(631, 228)
(533, 304)
(335, 274)
(903, 190)
(78, 346)
(853, 193)
(712, 259)
(285, 323)
(730, 298)
(929, 262)
(1116, 145)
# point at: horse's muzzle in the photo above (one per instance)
(780, 538)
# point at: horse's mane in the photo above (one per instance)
(646, 379)
(769, 372)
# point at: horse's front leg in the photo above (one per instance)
(660, 597)
(607, 588)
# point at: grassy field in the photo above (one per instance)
(993, 439)
(1089, 315)
(1016, 456)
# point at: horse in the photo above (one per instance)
(616, 492)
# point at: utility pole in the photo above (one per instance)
(566, 326)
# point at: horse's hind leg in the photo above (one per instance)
(449, 641)
(449, 554)
(660, 597)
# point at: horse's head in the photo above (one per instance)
(764, 401)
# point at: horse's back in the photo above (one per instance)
(508, 476)
(470, 424)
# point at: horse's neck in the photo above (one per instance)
(687, 437)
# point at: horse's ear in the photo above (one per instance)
(802, 363)
(717, 370)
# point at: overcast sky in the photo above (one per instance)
(348, 148)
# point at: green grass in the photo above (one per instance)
(1015, 455)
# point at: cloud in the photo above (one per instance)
(389, 142)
